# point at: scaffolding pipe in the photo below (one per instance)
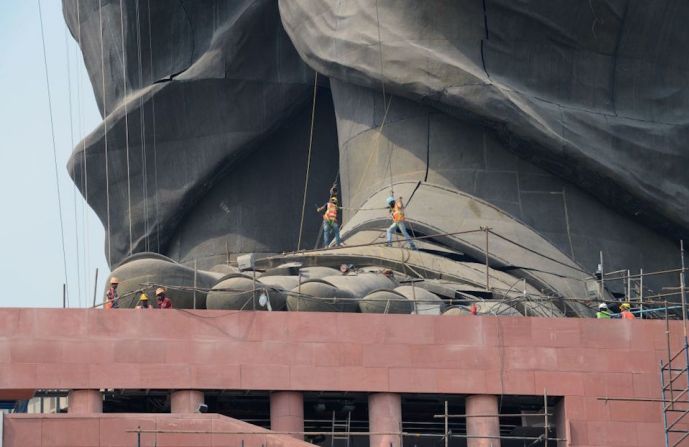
(545, 405)
(657, 272)
(95, 287)
(487, 230)
(253, 291)
(669, 353)
(686, 359)
(447, 439)
(513, 415)
(325, 433)
(631, 399)
(602, 276)
(681, 284)
(662, 399)
(195, 271)
(641, 291)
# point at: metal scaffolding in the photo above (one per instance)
(345, 432)
(674, 380)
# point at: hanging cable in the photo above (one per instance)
(380, 53)
(126, 127)
(308, 160)
(74, 188)
(142, 124)
(105, 127)
(382, 83)
(386, 106)
(52, 134)
(84, 171)
(153, 109)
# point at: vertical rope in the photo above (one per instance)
(380, 53)
(52, 134)
(382, 83)
(142, 124)
(84, 170)
(153, 109)
(308, 162)
(105, 127)
(386, 106)
(74, 189)
(126, 126)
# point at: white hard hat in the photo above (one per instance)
(602, 306)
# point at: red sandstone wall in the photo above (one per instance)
(112, 431)
(581, 359)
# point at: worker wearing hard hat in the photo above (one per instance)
(143, 302)
(603, 311)
(396, 210)
(163, 301)
(625, 312)
(112, 298)
(331, 229)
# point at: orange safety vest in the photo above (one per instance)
(110, 297)
(397, 213)
(627, 315)
(331, 212)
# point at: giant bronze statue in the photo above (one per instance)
(532, 136)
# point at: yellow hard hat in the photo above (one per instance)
(160, 291)
(114, 280)
(143, 297)
(625, 306)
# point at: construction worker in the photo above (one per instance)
(112, 298)
(396, 210)
(143, 302)
(625, 312)
(163, 301)
(330, 225)
(603, 311)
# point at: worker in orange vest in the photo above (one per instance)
(625, 312)
(163, 301)
(396, 210)
(330, 225)
(112, 299)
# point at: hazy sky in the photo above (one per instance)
(32, 271)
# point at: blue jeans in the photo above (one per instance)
(403, 229)
(330, 229)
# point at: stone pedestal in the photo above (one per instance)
(287, 412)
(84, 402)
(384, 416)
(185, 401)
(487, 424)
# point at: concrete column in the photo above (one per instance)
(287, 412)
(384, 416)
(186, 401)
(84, 402)
(480, 405)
